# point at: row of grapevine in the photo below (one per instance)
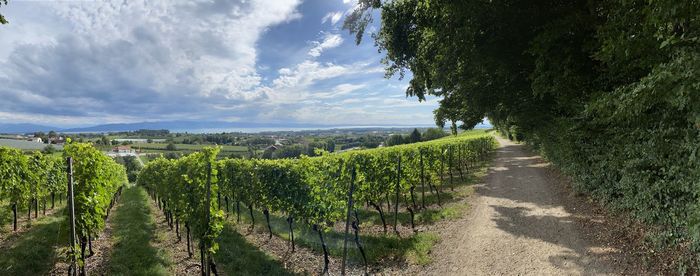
(28, 180)
(183, 189)
(311, 189)
(97, 181)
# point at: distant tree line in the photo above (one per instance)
(415, 136)
(296, 150)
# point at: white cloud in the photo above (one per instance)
(149, 56)
(87, 62)
(329, 41)
(333, 17)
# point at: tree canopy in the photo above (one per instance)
(2, 18)
(608, 90)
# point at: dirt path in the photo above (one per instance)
(524, 221)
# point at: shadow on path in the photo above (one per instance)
(541, 217)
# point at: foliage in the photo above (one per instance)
(608, 90)
(171, 146)
(2, 18)
(181, 184)
(132, 166)
(311, 188)
(14, 176)
(433, 133)
(97, 178)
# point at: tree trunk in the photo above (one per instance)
(381, 214)
(413, 226)
(252, 218)
(177, 229)
(201, 258)
(356, 228)
(90, 246)
(267, 217)
(238, 211)
(388, 202)
(226, 202)
(290, 220)
(413, 198)
(189, 251)
(436, 192)
(325, 249)
(53, 200)
(14, 213)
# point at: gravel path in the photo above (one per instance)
(524, 221)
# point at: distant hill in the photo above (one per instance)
(191, 126)
(25, 127)
(185, 126)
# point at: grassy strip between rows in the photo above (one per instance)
(133, 254)
(134, 228)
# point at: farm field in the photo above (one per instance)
(160, 147)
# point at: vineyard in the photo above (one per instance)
(319, 199)
(318, 192)
(26, 181)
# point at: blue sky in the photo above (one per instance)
(70, 63)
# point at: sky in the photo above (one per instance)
(77, 63)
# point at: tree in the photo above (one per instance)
(49, 149)
(105, 141)
(133, 166)
(603, 88)
(394, 140)
(171, 147)
(415, 136)
(433, 133)
(2, 18)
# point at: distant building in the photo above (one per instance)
(60, 140)
(36, 140)
(122, 149)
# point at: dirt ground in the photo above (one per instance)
(524, 220)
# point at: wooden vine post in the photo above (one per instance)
(450, 167)
(398, 186)
(347, 220)
(207, 268)
(422, 179)
(72, 270)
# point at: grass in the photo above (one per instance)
(134, 228)
(33, 252)
(238, 257)
(378, 247)
(6, 216)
